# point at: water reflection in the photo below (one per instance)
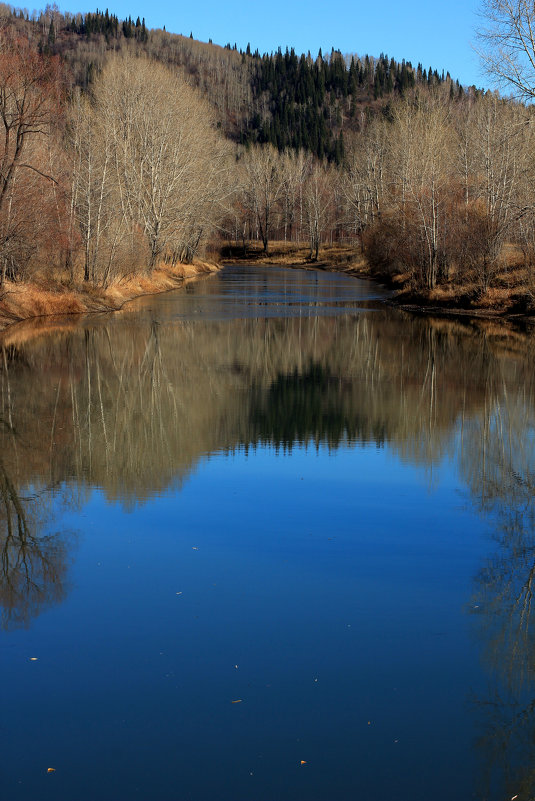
(132, 409)
(33, 558)
(130, 405)
(498, 464)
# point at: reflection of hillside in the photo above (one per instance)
(312, 405)
(131, 408)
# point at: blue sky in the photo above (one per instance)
(436, 34)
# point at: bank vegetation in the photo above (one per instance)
(118, 186)
(129, 155)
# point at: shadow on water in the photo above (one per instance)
(132, 406)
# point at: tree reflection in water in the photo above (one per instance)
(33, 564)
(498, 464)
(33, 559)
(132, 408)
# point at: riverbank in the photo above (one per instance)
(41, 298)
(339, 258)
(507, 299)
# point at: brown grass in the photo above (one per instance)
(297, 254)
(22, 301)
(508, 297)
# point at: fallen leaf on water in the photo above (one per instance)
(303, 762)
(51, 770)
(237, 701)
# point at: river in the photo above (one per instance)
(265, 538)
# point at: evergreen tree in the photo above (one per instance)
(51, 34)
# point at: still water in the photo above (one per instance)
(266, 539)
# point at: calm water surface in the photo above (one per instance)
(263, 539)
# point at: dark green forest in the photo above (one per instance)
(311, 100)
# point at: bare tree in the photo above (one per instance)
(294, 168)
(500, 143)
(422, 142)
(365, 175)
(93, 197)
(29, 93)
(263, 188)
(507, 44)
(147, 161)
(318, 205)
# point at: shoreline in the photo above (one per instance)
(401, 299)
(459, 313)
(26, 302)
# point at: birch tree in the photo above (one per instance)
(318, 205)
(421, 141)
(364, 179)
(168, 161)
(93, 196)
(499, 156)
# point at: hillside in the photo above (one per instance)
(284, 99)
(130, 150)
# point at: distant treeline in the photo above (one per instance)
(109, 25)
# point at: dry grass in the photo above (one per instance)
(509, 295)
(296, 254)
(22, 301)
(47, 296)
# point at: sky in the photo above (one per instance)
(436, 34)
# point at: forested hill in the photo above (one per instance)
(310, 102)
(279, 98)
(145, 149)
